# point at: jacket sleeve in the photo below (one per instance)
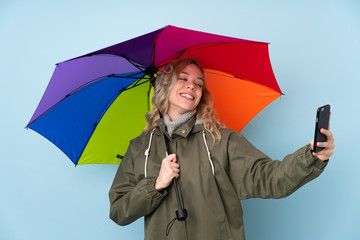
(255, 175)
(129, 199)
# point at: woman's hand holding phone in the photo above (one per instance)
(328, 146)
(323, 143)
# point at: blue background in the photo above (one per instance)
(315, 56)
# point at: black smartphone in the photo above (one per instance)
(322, 121)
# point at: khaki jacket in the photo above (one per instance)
(210, 188)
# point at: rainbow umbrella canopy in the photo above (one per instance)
(96, 103)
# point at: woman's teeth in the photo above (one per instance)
(188, 96)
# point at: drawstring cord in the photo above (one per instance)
(171, 223)
(208, 153)
(169, 226)
(148, 151)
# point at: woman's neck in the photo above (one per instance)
(173, 116)
(172, 125)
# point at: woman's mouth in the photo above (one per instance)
(187, 96)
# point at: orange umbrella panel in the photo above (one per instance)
(237, 101)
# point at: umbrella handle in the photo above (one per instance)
(181, 213)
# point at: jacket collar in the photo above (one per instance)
(183, 131)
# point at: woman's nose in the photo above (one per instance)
(191, 85)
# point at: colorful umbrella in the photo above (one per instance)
(94, 104)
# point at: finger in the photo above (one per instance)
(326, 151)
(171, 155)
(170, 167)
(174, 165)
(169, 158)
(175, 170)
(323, 156)
(321, 144)
(327, 133)
(327, 145)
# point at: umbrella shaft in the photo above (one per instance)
(174, 180)
(177, 193)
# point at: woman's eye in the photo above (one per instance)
(199, 85)
(183, 79)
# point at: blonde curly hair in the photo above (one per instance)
(165, 82)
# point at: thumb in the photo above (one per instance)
(312, 144)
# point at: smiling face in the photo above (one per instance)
(187, 92)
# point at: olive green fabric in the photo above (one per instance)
(212, 201)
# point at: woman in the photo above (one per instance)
(215, 167)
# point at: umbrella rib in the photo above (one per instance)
(107, 107)
(242, 79)
(133, 76)
(128, 88)
(67, 95)
(154, 47)
(180, 53)
(141, 68)
(135, 84)
(87, 84)
(199, 47)
(224, 75)
(110, 75)
(194, 48)
(138, 66)
(96, 80)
